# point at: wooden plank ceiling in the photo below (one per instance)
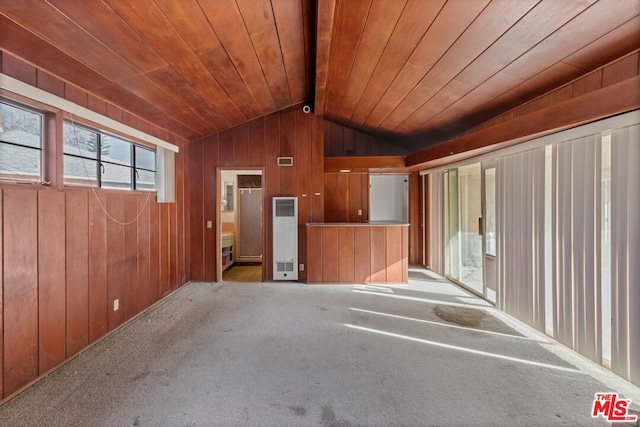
(404, 70)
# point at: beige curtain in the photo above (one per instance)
(520, 235)
(625, 252)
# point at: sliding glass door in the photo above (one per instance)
(463, 228)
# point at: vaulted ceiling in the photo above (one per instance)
(405, 70)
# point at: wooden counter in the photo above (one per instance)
(357, 252)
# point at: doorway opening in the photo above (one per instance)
(241, 227)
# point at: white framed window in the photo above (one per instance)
(21, 135)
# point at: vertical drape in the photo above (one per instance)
(576, 208)
(625, 252)
(520, 233)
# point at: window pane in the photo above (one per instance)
(116, 176)
(115, 150)
(19, 162)
(19, 126)
(79, 171)
(80, 141)
(145, 180)
(145, 158)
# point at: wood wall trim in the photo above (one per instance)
(605, 102)
(363, 163)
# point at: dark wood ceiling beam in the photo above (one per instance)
(324, 38)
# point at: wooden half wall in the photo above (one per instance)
(63, 261)
(256, 144)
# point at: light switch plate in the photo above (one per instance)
(116, 304)
(209, 224)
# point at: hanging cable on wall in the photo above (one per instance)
(93, 189)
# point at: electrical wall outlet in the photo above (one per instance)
(116, 304)
(359, 212)
(301, 267)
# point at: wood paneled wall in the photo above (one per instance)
(340, 141)
(63, 261)
(360, 253)
(256, 144)
(416, 219)
(344, 195)
(65, 264)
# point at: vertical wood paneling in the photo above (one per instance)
(329, 246)
(129, 303)
(341, 197)
(317, 160)
(395, 251)
(330, 201)
(314, 263)
(378, 254)
(115, 258)
(210, 186)
(241, 154)
(355, 198)
(256, 142)
(226, 148)
(154, 251)
(77, 257)
(415, 219)
(405, 254)
(346, 269)
(304, 165)
(98, 297)
(196, 200)
(345, 195)
(362, 257)
(51, 280)
(173, 246)
(165, 257)
(143, 253)
(272, 184)
(20, 299)
(288, 177)
(180, 222)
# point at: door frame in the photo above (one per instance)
(489, 262)
(218, 218)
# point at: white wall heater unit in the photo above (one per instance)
(285, 238)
